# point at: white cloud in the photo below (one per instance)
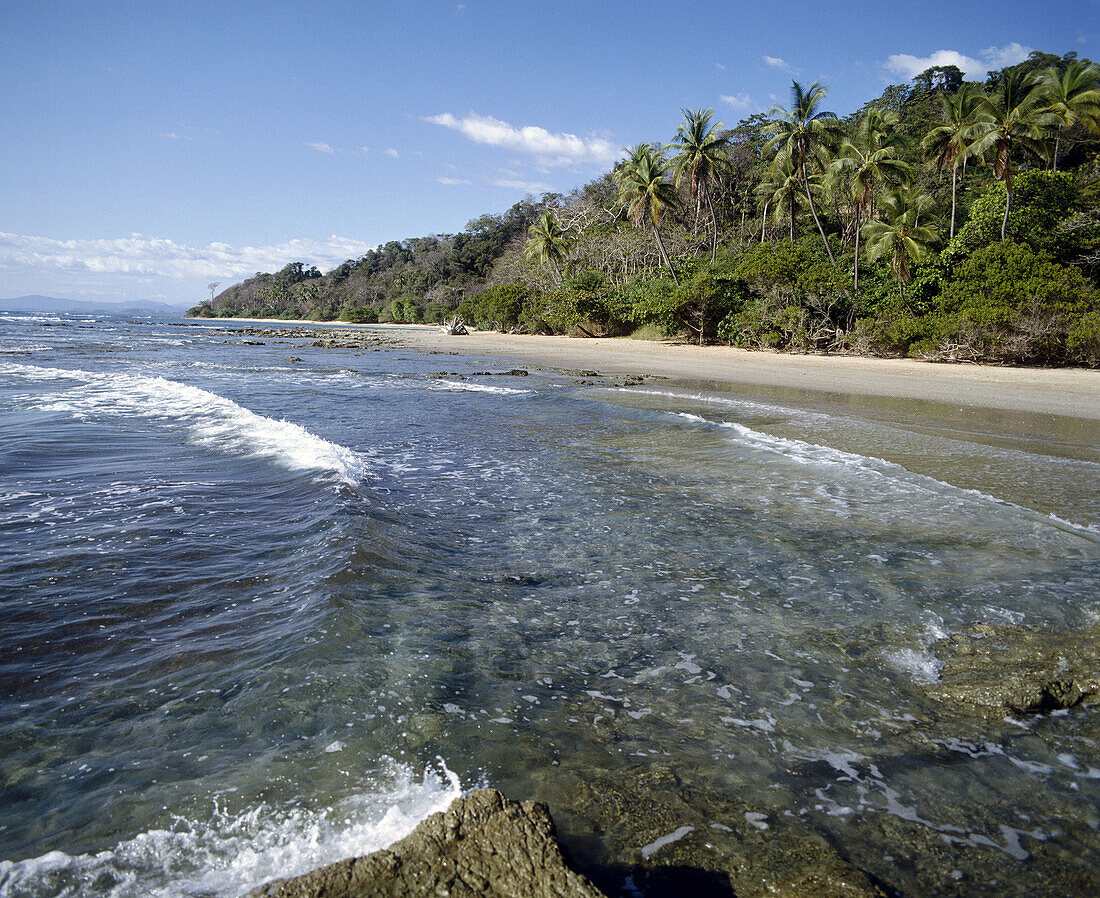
(721, 67)
(454, 182)
(392, 152)
(776, 63)
(322, 148)
(170, 135)
(740, 102)
(992, 58)
(145, 257)
(551, 149)
(526, 186)
(1001, 57)
(362, 151)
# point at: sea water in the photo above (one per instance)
(267, 606)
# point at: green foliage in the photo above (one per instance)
(359, 315)
(1042, 200)
(1006, 303)
(496, 308)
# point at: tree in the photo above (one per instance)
(1013, 119)
(781, 188)
(952, 142)
(805, 135)
(212, 287)
(700, 154)
(899, 234)
(646, 192)
(547, 244)
(1073, 97)
(869, 161)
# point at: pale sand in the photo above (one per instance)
(1072, 392)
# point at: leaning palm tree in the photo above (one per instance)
(899, 233)
(869, 161)
(647, 193)
(700, 148)
(806, 136)
(1015, 119)
(952, 142)
(547, 243)
(1072, 96)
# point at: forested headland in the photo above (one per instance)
(945, 219)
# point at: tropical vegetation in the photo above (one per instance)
(945, 219)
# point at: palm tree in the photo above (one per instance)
(952, 141)
(547, 245)
(646, 192)
(870, 160)
(700, 154)
(1073, 96)
(899, 233)
(781, 189)
(1014, 119)
(806, 136)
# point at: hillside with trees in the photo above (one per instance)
(945, 219)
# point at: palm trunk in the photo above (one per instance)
(813, 211)
(1008, 203)
(764, 222)
(1057, 142)
(855, 286)
(954, 173)
(713, 224)
(664, 255)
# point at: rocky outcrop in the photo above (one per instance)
(483, 845)
(993, 671)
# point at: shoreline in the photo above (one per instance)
(1065, 392)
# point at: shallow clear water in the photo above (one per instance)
(260, 614)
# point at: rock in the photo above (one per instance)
(993, 671)
(483, 845)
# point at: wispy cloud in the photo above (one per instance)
(139, 255)
(322, 148)
(392, 152)
(454, 182)
(551, 149)
(989, 59)
(740, 102)
(776, 63)
(172, 135)
(515, 184)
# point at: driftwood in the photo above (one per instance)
(454, 325)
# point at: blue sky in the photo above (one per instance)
(152, 147)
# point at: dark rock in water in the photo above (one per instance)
(515, 372)
(483, 845)
(672, 840)
(293, 358)
(992, 671)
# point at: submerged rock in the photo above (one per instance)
(483, 845)
(992, 671)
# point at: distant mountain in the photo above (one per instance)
(35, 303)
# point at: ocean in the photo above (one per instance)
(267, 604)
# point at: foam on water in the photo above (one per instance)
(210, 420)
(479, 388)
(229, 854)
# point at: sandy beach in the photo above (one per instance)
(1070, 392)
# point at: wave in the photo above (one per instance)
(229, 854)
(804, 453)
(462, 386)
(211, 421)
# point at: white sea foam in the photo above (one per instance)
(231, 853)
(462, 386)
(210, 420)
(920, 666)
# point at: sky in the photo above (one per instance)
(151, 148)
